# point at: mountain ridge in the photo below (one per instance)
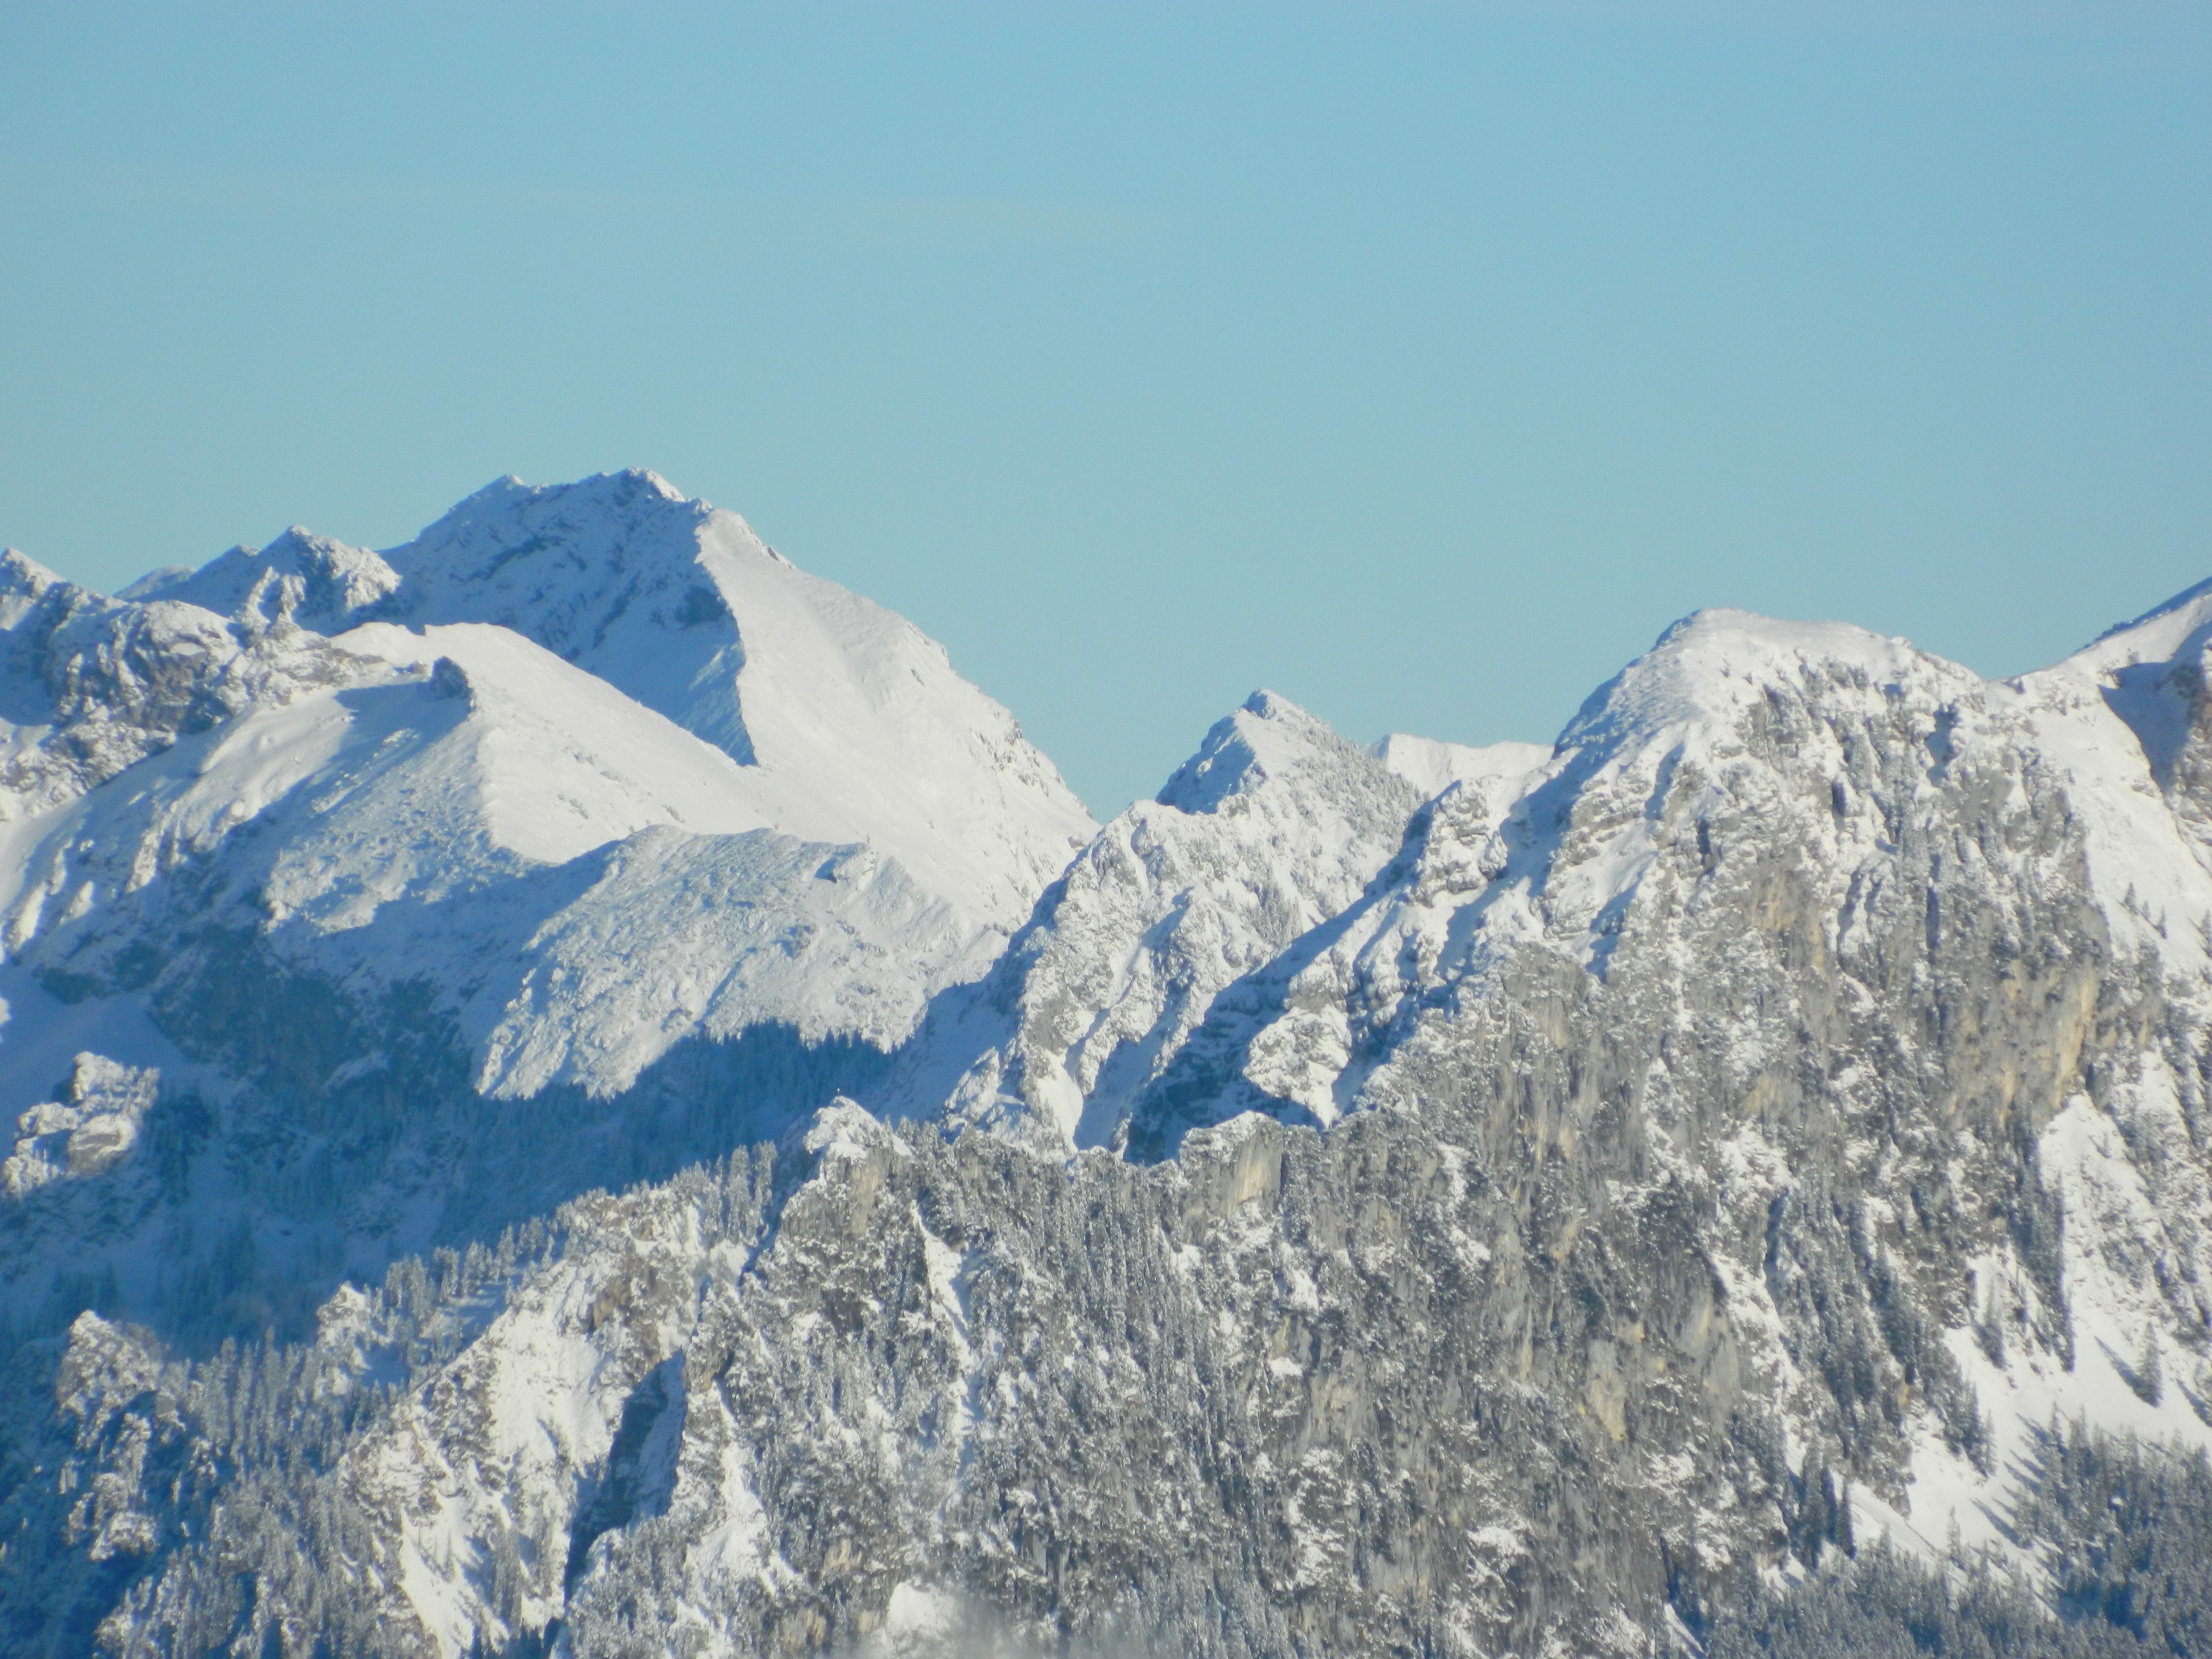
(1409, 1198)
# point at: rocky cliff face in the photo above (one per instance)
(1417, 1201)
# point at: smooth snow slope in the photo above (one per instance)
(387, 795)
(856, 724)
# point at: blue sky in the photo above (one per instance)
(1418, 361)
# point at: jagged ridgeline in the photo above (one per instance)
(578, 1091)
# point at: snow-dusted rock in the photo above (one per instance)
(315, 581)
(94, 1128)
(1273, 827)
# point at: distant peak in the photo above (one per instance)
(1267, 736)
(1707, 668)
(631, 483)
(20, 573)
(1269, 707)
(2178, 628)
(1715, 622)
(320, 578)
(157, 582)
(508, 497)
(300, 543)
(2188, 598)
(1432, 766)
(499, 488)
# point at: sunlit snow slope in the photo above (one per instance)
(544, 674)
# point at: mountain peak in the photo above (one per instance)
(1706, 670)
(1266, 736)
(478, 533)
(1496, 770)
(313, 579)
(855, 720)
(23, 575)
(2160, 634)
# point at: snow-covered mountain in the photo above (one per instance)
(850, 722)
(709, 1150)
(582, 783)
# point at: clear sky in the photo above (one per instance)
(1418, 361)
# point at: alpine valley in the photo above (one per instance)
(575, 1089)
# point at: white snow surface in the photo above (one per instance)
(591, 760)
(1501, 771)
(853, 717)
